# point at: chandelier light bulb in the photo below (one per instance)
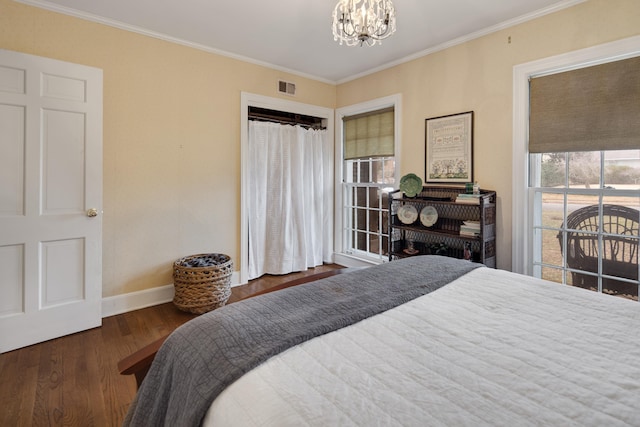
(363, 22)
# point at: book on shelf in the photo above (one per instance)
(470, 228)
(465, 234)
(465, 231)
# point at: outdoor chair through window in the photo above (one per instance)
(619, 247)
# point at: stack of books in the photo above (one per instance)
(470, 228)
(470, 199)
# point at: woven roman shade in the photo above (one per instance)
(369, 135)
(588, 109)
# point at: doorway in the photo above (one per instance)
(257, 101)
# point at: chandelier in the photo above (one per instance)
(363, 22)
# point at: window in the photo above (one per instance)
(366, 208)
(584, 176)
(585, 225)
(368, 173)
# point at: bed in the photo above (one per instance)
(426, 340)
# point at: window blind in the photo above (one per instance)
(588, 109)
(369, 135)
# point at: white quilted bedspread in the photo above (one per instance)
(492, 348)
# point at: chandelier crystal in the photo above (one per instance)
(363, 22)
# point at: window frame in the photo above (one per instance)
(341, 256)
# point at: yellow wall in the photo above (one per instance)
(172, 121)
(477, 76)
(171, 138)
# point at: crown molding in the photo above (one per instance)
(43, 4)
(161, 36)
(469, 37)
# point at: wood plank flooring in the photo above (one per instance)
(74, 381)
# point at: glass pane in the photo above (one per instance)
(583, 281)
(364, 171)
(389, 176)
(356, 172)
(360, 242)
(551, 252)
(553, 170)
(374, 221)
(621, 289)
(584, 169)
(582, 251)
(374, 244)
(585, 219)
(385, 197)
(377, 170)
(374, 197)
(620, 256)
(618, 219)
(622, 169)
(552, 210)
(360, 197)
(629, 202)
(552, 274)
(360, 221)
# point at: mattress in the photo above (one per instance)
(491, 348)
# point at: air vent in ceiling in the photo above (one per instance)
(287, 88)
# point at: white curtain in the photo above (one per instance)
(290, 198)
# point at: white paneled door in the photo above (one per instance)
(50, 199)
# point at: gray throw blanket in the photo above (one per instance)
(207, 354)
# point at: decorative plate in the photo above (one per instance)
(411, 185)
(428, 216)
(407, 214)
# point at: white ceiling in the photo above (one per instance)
(295, 35)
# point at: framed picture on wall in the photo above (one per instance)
(449, 148)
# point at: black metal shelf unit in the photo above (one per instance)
(443, 237)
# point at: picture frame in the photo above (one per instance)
(449, 148)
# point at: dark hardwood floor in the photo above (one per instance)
(74, 381)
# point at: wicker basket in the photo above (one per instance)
(202, 282)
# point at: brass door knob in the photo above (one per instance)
(92, 212)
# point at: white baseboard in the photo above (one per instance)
(351, 261)
(124, 303)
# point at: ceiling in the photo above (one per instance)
(295, 35)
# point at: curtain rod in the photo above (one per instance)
(286, 118)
